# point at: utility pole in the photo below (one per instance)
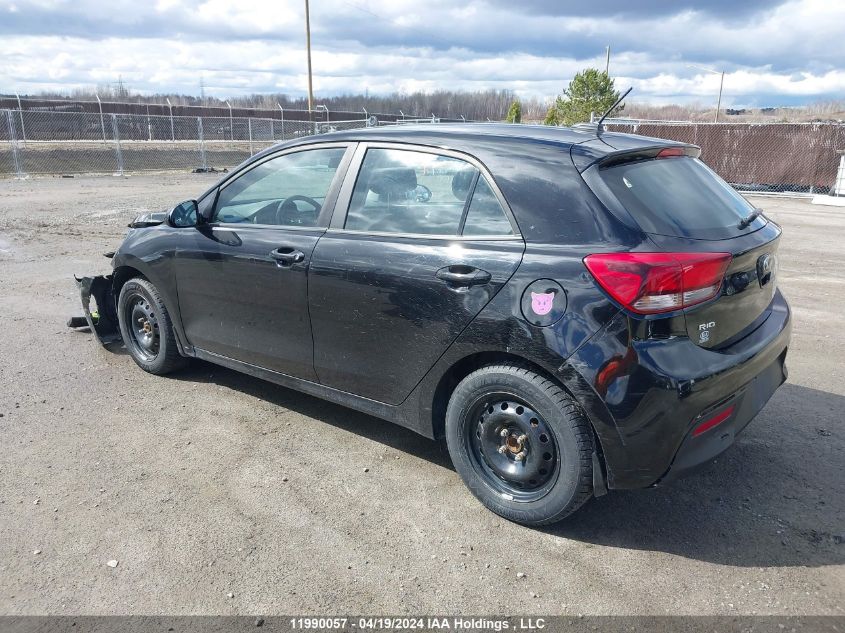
(308, 50)
(607, 61)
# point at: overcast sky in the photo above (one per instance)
(773, 53)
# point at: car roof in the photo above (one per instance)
(466, 136)
(469, 131)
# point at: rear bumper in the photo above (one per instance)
(699, 450)
(649, 395)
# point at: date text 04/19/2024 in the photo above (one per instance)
(418, 623)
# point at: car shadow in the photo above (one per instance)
(772, 500)
(372, 428)
(116, 347)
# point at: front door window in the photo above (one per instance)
(289, 190)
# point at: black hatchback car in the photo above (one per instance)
(573, 312)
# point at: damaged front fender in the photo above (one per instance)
(102, 319)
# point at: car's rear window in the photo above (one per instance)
(678, 196)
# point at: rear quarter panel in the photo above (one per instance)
(502, 328)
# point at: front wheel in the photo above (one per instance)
(147, 329)
(521, 444)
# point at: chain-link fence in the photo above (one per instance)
(789, 158)
(39, 142)
(796, 158)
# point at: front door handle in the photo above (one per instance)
(463, 275)
(287, 255)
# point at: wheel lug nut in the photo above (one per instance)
(520, 456)
(504, 432)
(521, 439)
(502, 449)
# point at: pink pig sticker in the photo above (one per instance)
(541, 302)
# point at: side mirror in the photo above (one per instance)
(184, 214)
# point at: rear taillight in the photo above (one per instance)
(650, 283)
(668, 152)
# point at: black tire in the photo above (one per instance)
(541, 470)
(146, 328)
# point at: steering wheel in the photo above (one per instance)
(287, 213)
(422, 194)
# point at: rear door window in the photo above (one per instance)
(485, 215)
(678, 196)
(402, 191)
(424, 193)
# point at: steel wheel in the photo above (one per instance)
(521, 444)
(146, 328)
(140, 317)
(511, 447)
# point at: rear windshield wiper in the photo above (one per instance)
(748, 219)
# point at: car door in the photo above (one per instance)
(242, 274)
(421, 240)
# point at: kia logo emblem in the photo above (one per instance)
(765, 268)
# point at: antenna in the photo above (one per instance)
(611, 109)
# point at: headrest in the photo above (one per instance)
(461, 182)
(393, 181)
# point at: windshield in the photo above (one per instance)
(679, 196)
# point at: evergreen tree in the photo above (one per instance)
(515, 112)
(589, 91)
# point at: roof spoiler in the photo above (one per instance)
(646, 153)
(587, 154)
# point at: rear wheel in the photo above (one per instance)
(147, 329)
(521, 444)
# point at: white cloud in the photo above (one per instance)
(792, 51)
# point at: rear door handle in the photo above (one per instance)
(463, 275)
(287, 255)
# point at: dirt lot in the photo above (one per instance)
(219, 493)
(74, 157)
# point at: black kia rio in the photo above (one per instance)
(574, 312)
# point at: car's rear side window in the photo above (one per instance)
(485, 215)
(423, 193)
(678, 196)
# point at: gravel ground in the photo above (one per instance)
(217, 493)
